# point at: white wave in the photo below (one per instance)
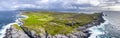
(17, 21)
(3, 30)
(96, 31)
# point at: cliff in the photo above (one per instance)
(14, 32)
(73, 29)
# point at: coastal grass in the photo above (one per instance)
(17, 27)
(57, 23)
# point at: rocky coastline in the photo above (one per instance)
(27, 33)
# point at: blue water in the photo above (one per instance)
(7, 17)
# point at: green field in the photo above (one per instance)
(55, 22)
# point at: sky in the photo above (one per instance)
(113, 5)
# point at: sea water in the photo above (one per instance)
(7, 18)
(108, 29)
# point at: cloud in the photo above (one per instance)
(59, 4)
(113, 8)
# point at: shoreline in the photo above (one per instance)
(86, 27)
(95, 28)
(94, 32)
(9, 26)
(4, 28)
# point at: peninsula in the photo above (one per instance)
(41, 24)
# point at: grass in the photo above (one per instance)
(58, 29)
(57, 23)
(17, 27)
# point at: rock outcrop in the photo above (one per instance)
(15, 33)
(27, 33)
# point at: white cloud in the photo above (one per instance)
(113, 8)
(81, 1)
(15, 4)
(94, 2)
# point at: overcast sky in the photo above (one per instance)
(61, 4)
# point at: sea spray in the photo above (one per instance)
(98, 30)
(17, 21)
(3, 30)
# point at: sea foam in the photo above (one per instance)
(98, 30)
(3, 30)
(17, 21)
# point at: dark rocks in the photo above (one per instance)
(8, 33)
(72, 24)
(94, 23)
(30, 33)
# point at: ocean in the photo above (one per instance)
(110, 28)
(7, 18)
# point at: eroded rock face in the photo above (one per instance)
(15, 33)
(80, 34)
(46, 35)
